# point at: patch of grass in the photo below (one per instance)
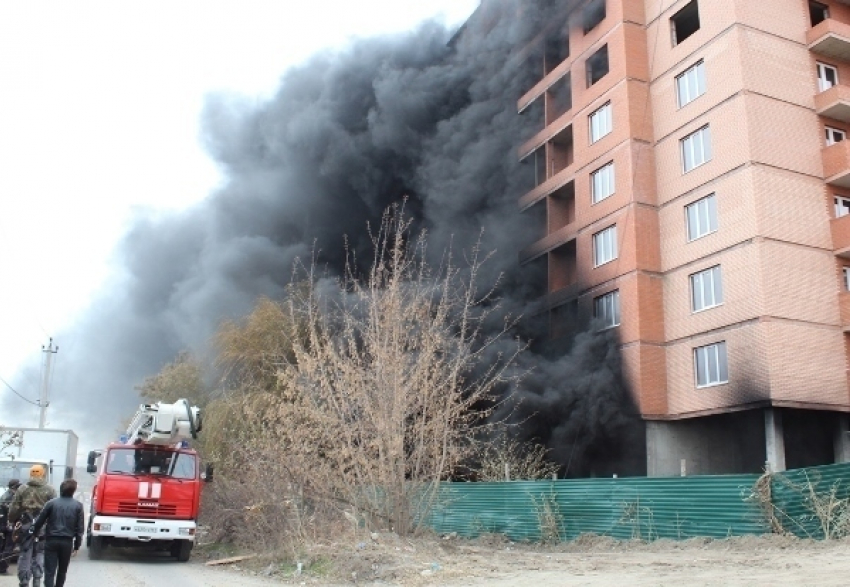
(216, 549)
(320, 567)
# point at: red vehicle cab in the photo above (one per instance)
(146, 494)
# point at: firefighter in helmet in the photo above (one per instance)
(28, 502)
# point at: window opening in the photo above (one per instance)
(710, 365)
(690, 85)
(560, 97)
(597, 66)
(606, 309)
(827, 77)
(842, 206)
(701, 217)
(834, 135)
(685, 22)
(818, 12)
(592, 15)
(602, 183)
(706, 289)
(557, 48)
(696, 149)
(605, 246)
(601, 123)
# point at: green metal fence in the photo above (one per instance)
(715, 506)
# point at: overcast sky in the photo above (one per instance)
(99, 117)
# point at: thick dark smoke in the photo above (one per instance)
(422, 115)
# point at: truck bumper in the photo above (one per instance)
(141, 529)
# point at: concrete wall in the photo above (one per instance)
(727, 443)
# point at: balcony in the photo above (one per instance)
(561, 296)
(547, 243)
(840, 228)
(830, 38)
(836, 164)
(834, 103)
(554, 183)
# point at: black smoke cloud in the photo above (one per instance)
(420, 115)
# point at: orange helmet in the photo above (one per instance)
(37, 472)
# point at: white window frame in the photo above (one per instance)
(600, 122)
(696, 149)
(834, 135)
(846, 272)
(606, 309)
(824, 82)
(605, 246)
(711, 357)
(690, 84)
(702, 216)
(842, 206)
(706, 289)
(602, 183)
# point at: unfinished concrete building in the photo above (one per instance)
(693, 179)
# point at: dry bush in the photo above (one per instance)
(344, 405)
(823, 505)
(359, 393)
(550, 520)
(388, 381)
(181, 378)
(9, 439)
(504, 458)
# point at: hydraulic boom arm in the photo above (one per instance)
(165, 424)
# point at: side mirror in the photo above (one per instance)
(207, 474)
(91, 467)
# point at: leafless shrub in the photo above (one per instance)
(824, 506)
(9, 439)
(504, 458)
(640, 518)
(389, 380)
(549, 518)
(348, 402)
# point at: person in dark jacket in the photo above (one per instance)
(6, 542)
(62, 518)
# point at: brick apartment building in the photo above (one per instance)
(692, 184)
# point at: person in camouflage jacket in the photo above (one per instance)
(28, 502)
(6, 544)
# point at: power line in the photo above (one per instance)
(16, 392)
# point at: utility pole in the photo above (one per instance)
(46, 374)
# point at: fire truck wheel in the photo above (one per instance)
(182, 549)
(96, 547)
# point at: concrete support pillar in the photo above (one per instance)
(774, 440)
(842, 439)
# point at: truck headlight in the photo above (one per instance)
(187, 531)
(103, 527)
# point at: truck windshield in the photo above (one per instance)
(139, 461)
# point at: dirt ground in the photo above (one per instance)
(389, 560)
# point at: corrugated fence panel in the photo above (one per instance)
(793, 499)
(673, 507)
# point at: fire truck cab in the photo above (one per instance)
(148, 488)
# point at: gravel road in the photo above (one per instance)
(140, 568)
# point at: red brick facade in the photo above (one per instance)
(780, 248)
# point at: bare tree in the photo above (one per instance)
(391, 379)
(182, 378)
(8, 439)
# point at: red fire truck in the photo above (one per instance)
(148, 490)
